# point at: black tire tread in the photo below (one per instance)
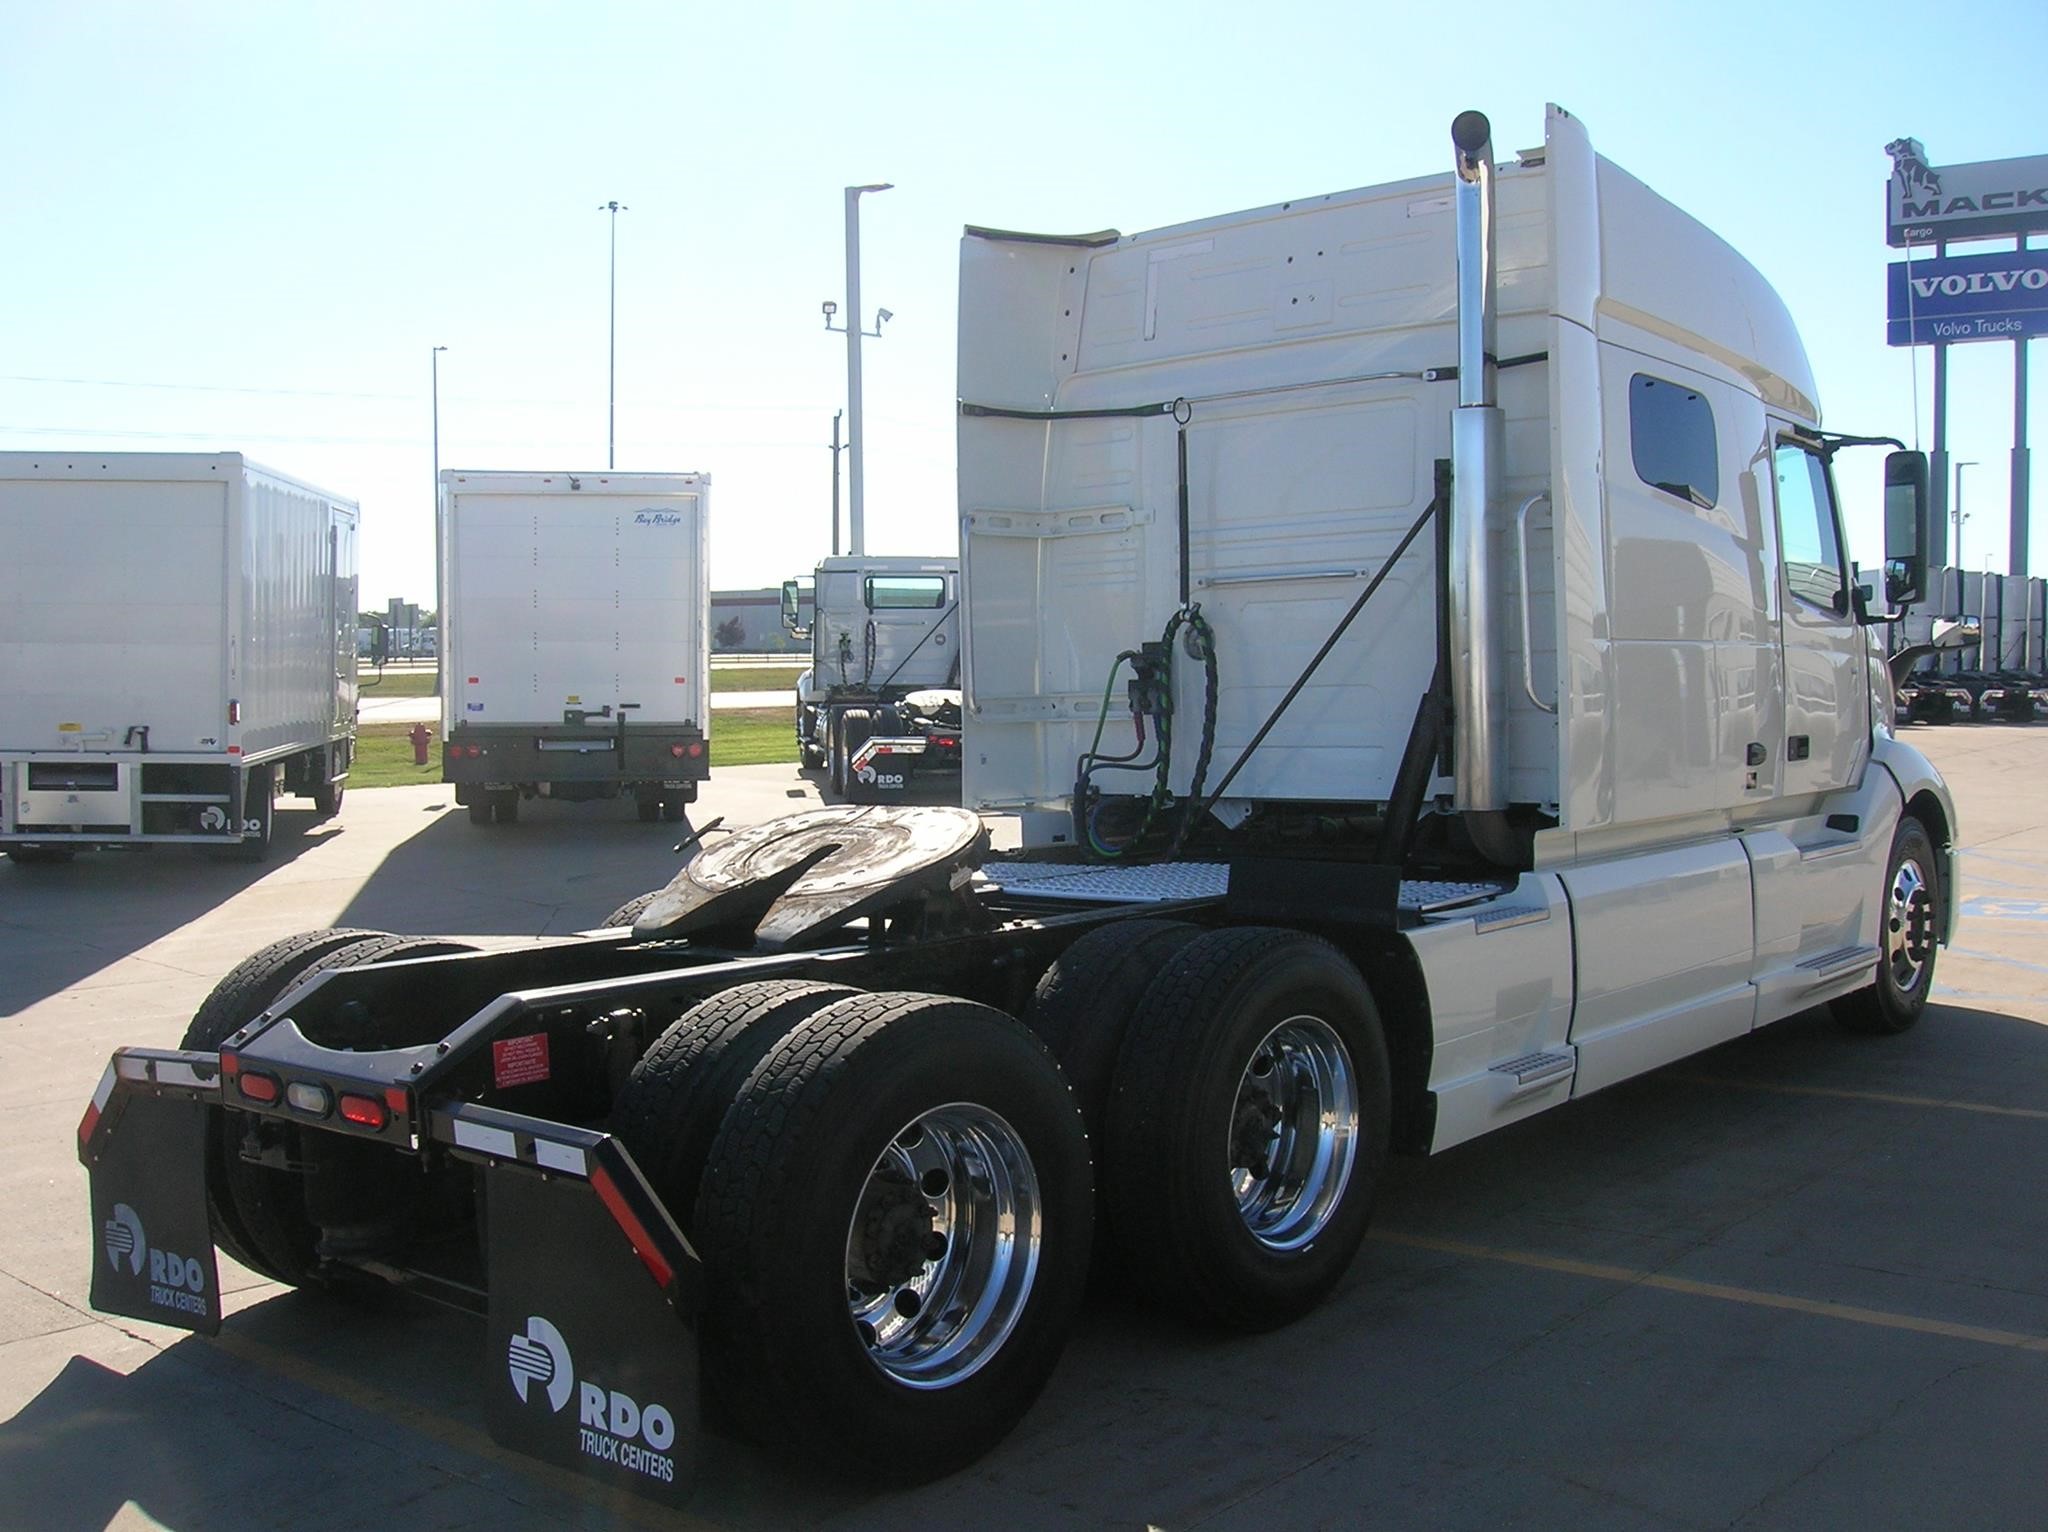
(1873, 1010)
(1148, 1209)
(630, 911)
(681, 1088)
(1083, 1003)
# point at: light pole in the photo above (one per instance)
(856, 528)
(440, 595)
(1956, 514)
(611, 432)
(836, 449)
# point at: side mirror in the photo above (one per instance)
(792, 611)
(1905, 527)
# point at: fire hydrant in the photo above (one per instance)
(421, 736)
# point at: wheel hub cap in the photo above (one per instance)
(1909, 925)
(1294, 1133)
(943, 1247)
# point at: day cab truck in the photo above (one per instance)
(177, 645)
(576, 659)
(879, 707)
(1415, 629)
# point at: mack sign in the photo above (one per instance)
(1967, 297)
(1925, 203)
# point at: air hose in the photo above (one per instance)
(1151, 693)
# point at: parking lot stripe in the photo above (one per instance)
(447, 1431)
(1629, 1276)
(1888, 1098)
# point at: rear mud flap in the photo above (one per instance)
(152, 1240)
(588, 1363)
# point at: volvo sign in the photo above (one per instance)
(1925, 203)
(1967, 297)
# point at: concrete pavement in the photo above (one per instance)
(1795, 1282)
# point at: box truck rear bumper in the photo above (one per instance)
(512, 755)
(71, 799)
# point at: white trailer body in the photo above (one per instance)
(1667, 715)
(176, 638)
(576, 641)
(879, 704)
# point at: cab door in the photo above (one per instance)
(1827, 688)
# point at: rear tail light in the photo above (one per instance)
(696, 749)
(475, 751)
(261, 1087)
(364, 1111)
(676, 750)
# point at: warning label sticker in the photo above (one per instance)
(519, 1060)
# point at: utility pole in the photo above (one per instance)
(835, 481)
(1958, 514)
(611, 435)
(857, 528)
(440, 591)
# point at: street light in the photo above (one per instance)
(612, 417)
(857, 535)
(1956, 511)
(440, 595)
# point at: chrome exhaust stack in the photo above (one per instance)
(1478, 696)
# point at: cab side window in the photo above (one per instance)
(1806, 530)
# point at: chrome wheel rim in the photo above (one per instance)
(1294, 1133)
(943, 1247)
(1908, 926)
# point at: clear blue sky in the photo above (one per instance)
(241, 227)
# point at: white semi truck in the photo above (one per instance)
(576, 652)
(177, 645)
(879, 707)
(1417, 625)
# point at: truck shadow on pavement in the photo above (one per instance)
(59, 925)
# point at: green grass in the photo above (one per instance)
(754, 678)
(396, 683)
(751, 736)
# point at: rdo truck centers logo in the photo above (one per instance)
(612, 1426)
(176, 1282)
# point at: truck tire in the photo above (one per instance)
(856, 724)
(682, 1086)
(1899, 987)
(1083, 1003)
(1247, 1128)
(858, 1308)
(808, 753)
(835, 752)
(259, 809)
(327, 798)
(258, 1213)
(629, 912)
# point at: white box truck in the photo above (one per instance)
(1531, 734)
(575, 639)
(177, 644)
(879, 705)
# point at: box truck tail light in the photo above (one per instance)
(260, 1087)
(676, 751)
(696, 750)
(475, 751)
(234, 711)
(364, 1111)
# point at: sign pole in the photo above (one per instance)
(1938, 470)
(2021, 468)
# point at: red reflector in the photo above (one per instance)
(399, 1099)
(635, 1231)
(234, 750)
(364, 1111)
(260, 1087)
(944, 744)
(695, 751)
(682, 681)
(231, 1064)
(88, 1122)
(475, 751)
(475, 681)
